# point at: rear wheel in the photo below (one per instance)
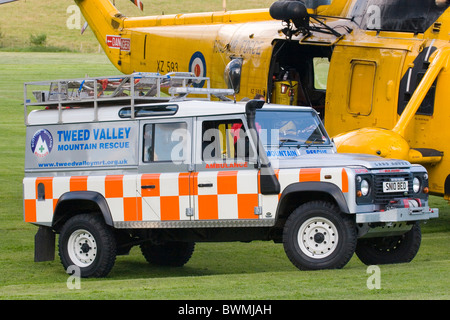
(88, 243)
(318, 236)
(388, 250)
(171, 254)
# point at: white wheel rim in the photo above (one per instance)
(82, 248)
(317, 238)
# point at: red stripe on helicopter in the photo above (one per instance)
(117, 42)
(138, 3)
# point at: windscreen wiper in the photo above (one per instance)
(283, 141)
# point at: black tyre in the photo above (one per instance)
(318, 236)
(87, 242)
(388, 250)
(170, 254)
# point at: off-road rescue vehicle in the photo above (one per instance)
(116, 162)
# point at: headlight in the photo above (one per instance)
(365, 187)
(416, 185)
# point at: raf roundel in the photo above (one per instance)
(42, 143)
(197, 65)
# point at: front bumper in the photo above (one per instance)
(398, 215)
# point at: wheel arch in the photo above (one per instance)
(299, 193)
(76, 202)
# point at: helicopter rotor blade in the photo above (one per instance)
(85, 26)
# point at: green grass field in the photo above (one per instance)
(19, 20)
(257, 270)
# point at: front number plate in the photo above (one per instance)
(395, 186)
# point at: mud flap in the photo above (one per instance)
(44, 245)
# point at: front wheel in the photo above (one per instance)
(318, 236)
(88, 243)
(388, 250)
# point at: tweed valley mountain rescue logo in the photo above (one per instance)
(42, 143)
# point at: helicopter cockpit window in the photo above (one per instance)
(313, 4)
(398, 15)
(442, 3)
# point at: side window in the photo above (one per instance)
(224, 140)
(321, 67)
(361, 87)
(165, 142)
(148, 143)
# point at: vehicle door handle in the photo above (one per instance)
(205, 185)
(148, 187)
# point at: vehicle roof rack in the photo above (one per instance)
(128, 90)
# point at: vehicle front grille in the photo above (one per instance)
(383, 198)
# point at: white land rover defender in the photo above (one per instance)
(115, 162)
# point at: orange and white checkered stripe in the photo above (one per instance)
(118, 190)
(233, 195)
(222, 195)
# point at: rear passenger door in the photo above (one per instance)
(165, 170)
(225, 183)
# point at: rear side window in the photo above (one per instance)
(165, 142)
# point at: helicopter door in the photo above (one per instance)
(298, 74)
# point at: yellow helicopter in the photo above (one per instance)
(376, 70)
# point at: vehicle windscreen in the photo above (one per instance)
(290, 128)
